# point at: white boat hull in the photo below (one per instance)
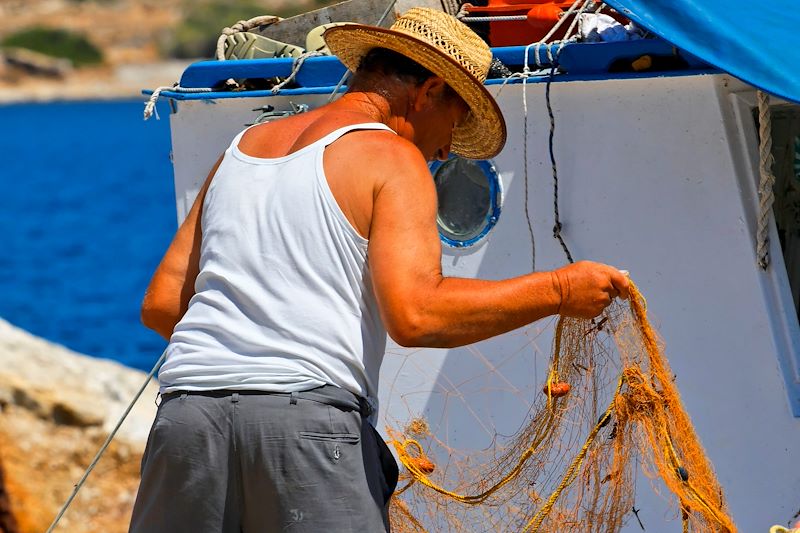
(656, 176)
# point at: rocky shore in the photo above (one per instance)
(101, 83)
(56, 409)
(127, 31)
(130, 33)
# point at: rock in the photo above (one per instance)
(7, 522)
(56, 409)
(64, 387)
(37, 64)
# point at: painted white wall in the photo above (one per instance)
(656, 177)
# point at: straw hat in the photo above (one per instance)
(450, 50)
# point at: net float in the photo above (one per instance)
(422, 464)
(557, 389)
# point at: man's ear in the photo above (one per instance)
(429, 92)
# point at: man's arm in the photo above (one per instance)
(421, 307)
(172, 286)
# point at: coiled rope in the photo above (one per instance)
(643, 395)
(241, 26)
(150, 106)
(297, 64)
(766, 196)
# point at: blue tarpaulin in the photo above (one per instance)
(757, 41)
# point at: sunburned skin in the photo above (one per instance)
(390, 198)
(391, 282)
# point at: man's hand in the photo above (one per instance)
(587, 288)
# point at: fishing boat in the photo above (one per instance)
(650, 154)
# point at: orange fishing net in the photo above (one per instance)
(609, 401)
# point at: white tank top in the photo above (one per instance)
(284, 299)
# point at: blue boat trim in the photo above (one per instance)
(560, 78)
(216, 95)
(566, 78)
(578, 60)
(586, 58)
(316, 71)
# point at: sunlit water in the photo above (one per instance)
(86, 211)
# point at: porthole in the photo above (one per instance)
(469, 200)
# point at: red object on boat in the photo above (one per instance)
(541, 15)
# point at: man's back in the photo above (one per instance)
(283, 298)
(355, 165)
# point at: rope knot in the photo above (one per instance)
(766, 196)
(416, 462)
(297, 64)
(641, 399)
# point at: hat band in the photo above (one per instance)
(443, 42)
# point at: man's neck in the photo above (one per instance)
(375, 107)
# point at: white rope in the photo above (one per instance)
(105, 445)
(150, 106)
(767, 179)
(551, 58)
(526, 70)
(242, 25)
(525, 168)
(451, 7)
(463, 11)
(524, 75)
(297, 64)
(527, 73)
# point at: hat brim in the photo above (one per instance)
(482, 135)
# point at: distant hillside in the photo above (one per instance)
(130, 34)
(138, 31)
(127, 31)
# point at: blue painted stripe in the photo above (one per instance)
(216, 95)
(592, 60)
(563, 78)
(560, 78)
(316, 71)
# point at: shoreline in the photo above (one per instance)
(57, 407)
(103, 83)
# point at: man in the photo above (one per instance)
(312, 237)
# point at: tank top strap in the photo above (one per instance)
(336, 134)
(235, 141)
(317, 145)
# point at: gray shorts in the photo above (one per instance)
(246, 461)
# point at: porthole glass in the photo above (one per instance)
(469, 200)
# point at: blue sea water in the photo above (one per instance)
(87, 209)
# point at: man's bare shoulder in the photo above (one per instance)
(380, 153)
